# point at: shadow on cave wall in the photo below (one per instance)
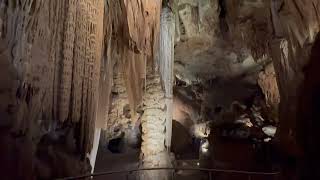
(309, 116)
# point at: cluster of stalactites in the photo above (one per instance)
(56, 49)
(134, 26)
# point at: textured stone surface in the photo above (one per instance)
(120, 118)
(295, 25)
(51, 52)
(153, 150)
(268, 83)
(54, 48)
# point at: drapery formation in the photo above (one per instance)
(133, 29)
(56, 48)
(54, 51)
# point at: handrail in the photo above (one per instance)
(170, 168)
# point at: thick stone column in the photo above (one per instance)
(153, 150)
(157, 118)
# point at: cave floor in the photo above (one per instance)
(107, 161)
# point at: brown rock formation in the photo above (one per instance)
(55, 49)
(295, 25)
(57, 61)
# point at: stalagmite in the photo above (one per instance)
(117, 116)
(153, 122)
(157, 117)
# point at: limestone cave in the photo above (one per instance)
(159, 89)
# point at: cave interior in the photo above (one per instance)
(159, 89)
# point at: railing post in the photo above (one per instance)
(173, 173)
(210, 175)
(127, 176)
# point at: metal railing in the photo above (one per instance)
(210, 172)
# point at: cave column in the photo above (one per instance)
(156, 121)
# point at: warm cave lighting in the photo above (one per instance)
(204, 146)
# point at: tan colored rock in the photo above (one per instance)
(153, 150)
(267, 81)
(55, 48)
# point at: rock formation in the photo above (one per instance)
(55, 48)
(156, 120)
(71, 67)
(290, 29)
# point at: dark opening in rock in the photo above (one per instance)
(116, 145)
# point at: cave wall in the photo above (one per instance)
(60, 56)
(134, 28)
(308, 104)
(294, 27)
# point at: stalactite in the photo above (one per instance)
(55, 48)
(105, 86)
(132, 75)
(78, 65)
(137, 23)
(92, 66)
(67, 61)
(166, 62)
